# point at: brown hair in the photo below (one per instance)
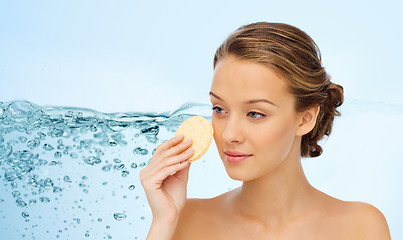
(297, 58)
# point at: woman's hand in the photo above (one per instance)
(165, 191)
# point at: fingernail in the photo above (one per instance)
(179, 136)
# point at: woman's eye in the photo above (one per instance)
(255, 115)
(217, 110)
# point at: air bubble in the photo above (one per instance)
(119, 216)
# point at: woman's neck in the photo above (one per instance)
(277, 197)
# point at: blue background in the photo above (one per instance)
(153, 56)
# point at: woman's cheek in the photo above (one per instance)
(275, 134)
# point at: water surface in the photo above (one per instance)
(72, 173)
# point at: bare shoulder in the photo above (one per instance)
(195, 218)
(371, 222)
(361, 220)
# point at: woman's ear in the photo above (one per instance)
(307, 120)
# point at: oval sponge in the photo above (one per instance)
(200, 131)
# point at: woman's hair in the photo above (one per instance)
(296, 57)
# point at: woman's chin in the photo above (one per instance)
(238, 174)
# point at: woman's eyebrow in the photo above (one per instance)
(249, 101)
(214, 95)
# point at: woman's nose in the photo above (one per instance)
(232, 131)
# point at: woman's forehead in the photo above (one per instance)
(245, 79)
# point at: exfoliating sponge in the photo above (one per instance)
(200, 131)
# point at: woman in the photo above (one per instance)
(272, 102)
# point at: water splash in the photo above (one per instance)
(73, 172)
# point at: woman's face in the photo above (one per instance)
(265, 130)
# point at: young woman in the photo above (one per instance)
(272, 102)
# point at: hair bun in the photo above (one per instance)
(335, 95)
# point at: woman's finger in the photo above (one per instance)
(169, 143)
(151, 171)
(165, 172)
(179, 148)
(183, 156)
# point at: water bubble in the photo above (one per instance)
(44, 199)
(153, 131)
(132, 187)
(46, 183)
(47, 147)
(41, 135)
(134, 165)
(141, 151)
(152, 139)
(69, 114)
(10, 174)
(25, 155)
(99, 152)
(57, 189)
(73, 155)
(119, 216)
(99, 219)
(33, 182)
(92, 160)
(53, 163)
(18, 108)
(22, 139)
(86, 144)
(16, 193)
(67, 179)
(33, 143)
(58, 155)
(31, 202)
(24, 214)
(41, 162)
(125, 173)
(107, 167)
(119, 167)
(117, 126)
(20, 202)
(119, 139)
(56, 133)
(117, 160)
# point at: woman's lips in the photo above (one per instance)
(236, 159)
